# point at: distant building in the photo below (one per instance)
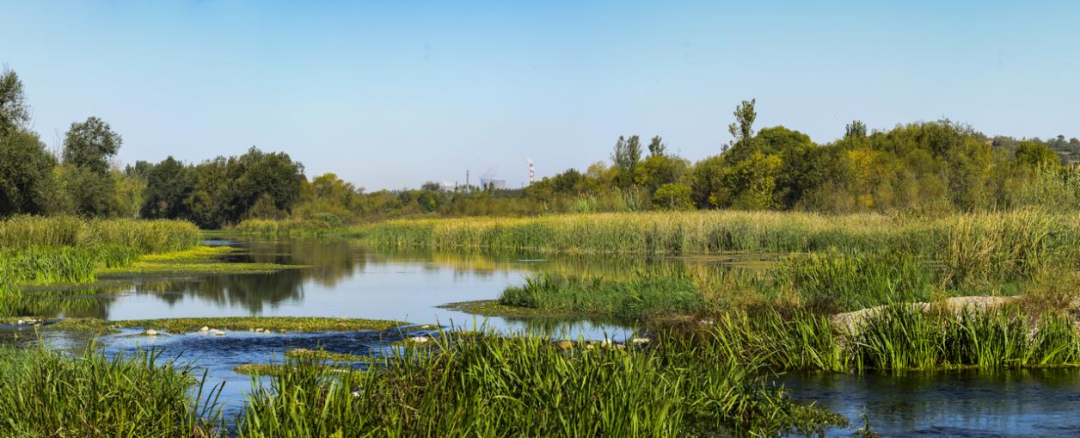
(497, 184)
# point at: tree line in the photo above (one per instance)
(925, 166)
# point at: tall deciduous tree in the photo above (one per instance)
(90, 144)
(743, 127)
(27, 184)
(657, 147)
(626, 156)
(13, 111)
(856, 129)
(168, 186)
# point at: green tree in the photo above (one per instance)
(706, 179)
(625, 157)
(1035, 154)
(90, 144)
(87, 193)
(13, 110)
(673, 197)
(658, 170)
(743, 127)
(168, 188)
(657, 147)
(857, 129)
(27, 184)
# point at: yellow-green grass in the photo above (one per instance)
(970, 247)
(199, 260)
(493, 308)
(144, 236)
(286, 228)
(273, 370)
(323, 355)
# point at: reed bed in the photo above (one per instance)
(285, 228)
(901, 337)
(48, 394)
(669, 233)
(486, 386)
(47, 250)
(966, 249)
(629, 300)
(851, 280)
(46, 265)
(144, 236)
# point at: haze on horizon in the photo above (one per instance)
(392, 94)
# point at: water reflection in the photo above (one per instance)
(342, 278)
(1037, 402)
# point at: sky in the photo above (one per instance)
(389, 94)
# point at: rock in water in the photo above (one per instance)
(151, 332)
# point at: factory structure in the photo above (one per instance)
(487, 181)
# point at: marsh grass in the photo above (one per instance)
(323, 355)
(42, 251)
(967, 249)
(484, 385)
(287, 227)
(901, 337)
(852, 280)
(630, 299)
(48, 394)
(144, 236)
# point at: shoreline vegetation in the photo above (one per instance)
(870, 238)
(40, 257)
(836, 294)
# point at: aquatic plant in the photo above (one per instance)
(629, 299)
(852, 280)
(144, 236)
(899, 337)
(484, 385)
(970, 248)
(286, 227)
(48, 394)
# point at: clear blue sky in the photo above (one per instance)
(393, 93)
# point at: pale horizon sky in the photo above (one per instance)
(391, 94)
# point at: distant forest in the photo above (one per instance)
(939, 166)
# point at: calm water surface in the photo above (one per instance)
(344, 279)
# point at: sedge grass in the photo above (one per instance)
(971, 248)
(488, 386)
(630, 299)
(900, 337)
(144, 236)
(48, 394)
(285, 228)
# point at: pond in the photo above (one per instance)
(345, 279)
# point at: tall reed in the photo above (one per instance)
(482, 385)
(144, 236)
(48, 394)
(901, 337)
(971, 249)
(285, 228)
(628, 299)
